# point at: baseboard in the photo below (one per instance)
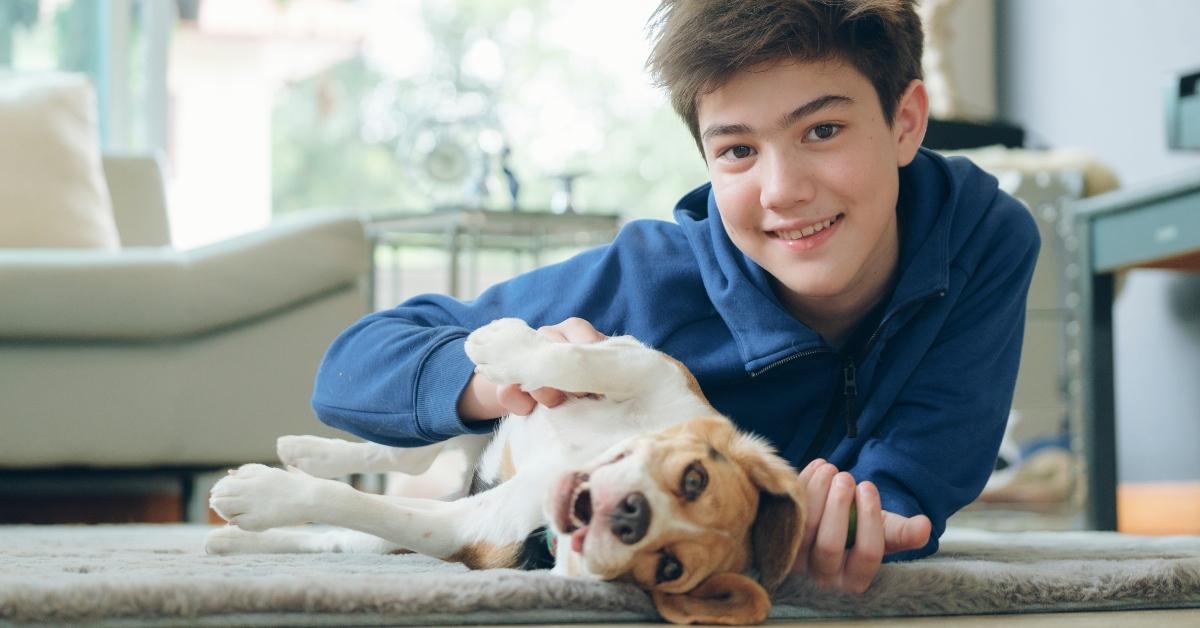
(91, 496)
(91, 509)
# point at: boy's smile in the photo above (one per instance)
(804, 235)
(805, 170)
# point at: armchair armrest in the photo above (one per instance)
(158, 293)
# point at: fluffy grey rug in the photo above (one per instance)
(158, 575)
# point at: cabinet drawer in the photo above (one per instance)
(1151, 232)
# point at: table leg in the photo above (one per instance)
(1099, 407)
(372, 280)
(475, 242)
(452, 247)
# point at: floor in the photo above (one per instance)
(1123, 619)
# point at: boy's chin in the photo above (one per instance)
(800, 284)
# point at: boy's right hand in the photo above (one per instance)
(484, 400)
(824, 555)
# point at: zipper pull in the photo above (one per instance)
(850, 394)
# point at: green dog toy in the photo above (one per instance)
(853, 527)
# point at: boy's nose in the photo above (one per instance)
(784, 184)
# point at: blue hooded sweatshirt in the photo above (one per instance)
(916, 401)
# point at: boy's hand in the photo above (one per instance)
(483, 399)
(823, 554)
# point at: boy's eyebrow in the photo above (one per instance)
(813, 106)
(799, 113)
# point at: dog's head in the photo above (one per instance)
(683, 513)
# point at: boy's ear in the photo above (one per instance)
(910, 121)
(725, 598)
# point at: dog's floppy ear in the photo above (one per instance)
(725, 598)
(779, 523)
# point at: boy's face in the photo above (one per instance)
(805, 172)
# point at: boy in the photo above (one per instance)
(854, 298)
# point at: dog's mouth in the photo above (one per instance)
(571, 506)
(578, 510)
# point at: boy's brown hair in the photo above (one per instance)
(701, 44)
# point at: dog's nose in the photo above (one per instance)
(631, 518)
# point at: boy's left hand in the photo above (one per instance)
(823, 554)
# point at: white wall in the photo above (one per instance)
(1090, 74)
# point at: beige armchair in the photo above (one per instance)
(156, 357)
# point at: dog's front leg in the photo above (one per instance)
(507, 351)
(484, 530)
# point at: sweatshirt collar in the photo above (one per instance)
(741, 290)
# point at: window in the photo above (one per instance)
(263, 107)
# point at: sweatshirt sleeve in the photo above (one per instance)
(933, 451)
(395, 376)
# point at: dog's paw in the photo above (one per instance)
(258, 497)
(232, 540)
(503, 348)
(317, 456)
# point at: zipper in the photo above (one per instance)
(849, 375)
(866, 349)
(789, 358)
(850, 395)
(850, 370)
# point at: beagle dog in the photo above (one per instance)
(640, 481)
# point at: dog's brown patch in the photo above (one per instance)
(692, 384)
(487, 556)
(507, 468)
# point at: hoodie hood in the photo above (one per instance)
(934, 216)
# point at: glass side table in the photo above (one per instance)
(471, 231)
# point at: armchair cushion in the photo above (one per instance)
(156, 293)
(52, 188)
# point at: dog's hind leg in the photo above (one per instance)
(333, 457)
(484, 530)
(234, 540)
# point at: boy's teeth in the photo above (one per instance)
(807, 231)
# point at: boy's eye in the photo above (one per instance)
(741, 151)
(824, 131)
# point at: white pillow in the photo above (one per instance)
(52, 189)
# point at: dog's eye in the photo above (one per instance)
(695, 479)
(669, 568)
